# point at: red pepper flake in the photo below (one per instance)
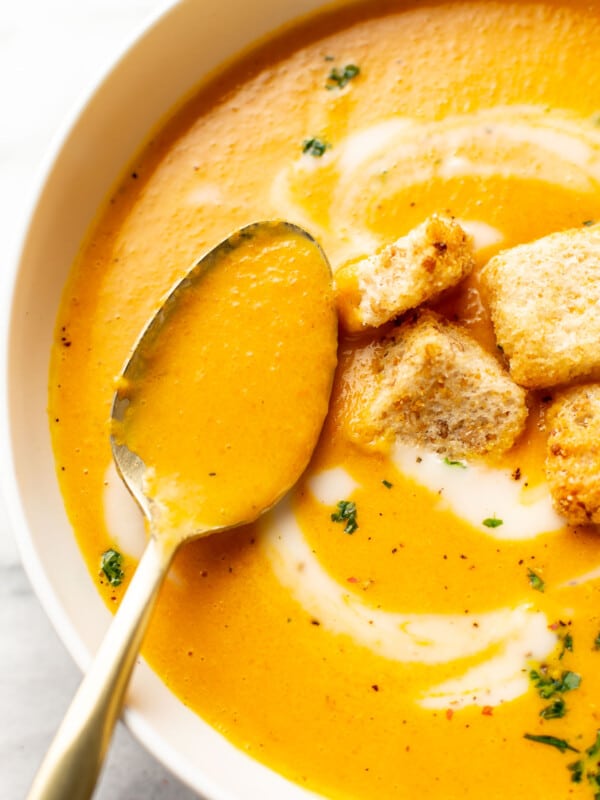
(487, 711)
(352, 579)
(449, 713)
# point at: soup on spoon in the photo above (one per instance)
(215, 416)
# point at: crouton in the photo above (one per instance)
(544, 301)
(573, 454)
(430, 384)
(416, 268)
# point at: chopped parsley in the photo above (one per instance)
(492, 522)
(346, 513)
(460, 464)
(560, 744)
(597, 642)
(535, 581)
(588, 766)
(315, 147)
(111, 564)
(548, 686)
(338, 78)
(556, 710)
(588, 222)
(387, 484)
(567, 644)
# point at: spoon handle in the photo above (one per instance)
(72, 764)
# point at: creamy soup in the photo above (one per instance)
(412, 625)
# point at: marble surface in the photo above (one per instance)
(50, 55)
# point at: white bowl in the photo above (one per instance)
(162, 65)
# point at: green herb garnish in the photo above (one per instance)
(577, 768)
(588, 765)
(588, 222)
(535, 581)
(567, 644)
(346, 513)
(338, 78)
(492, 522)
(387, 484)
(556, 709)
(597, 642)
(315, 147)
(460, 464)
(560, 744)
(548, 686)
(111, 564)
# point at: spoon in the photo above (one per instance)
(283, 271)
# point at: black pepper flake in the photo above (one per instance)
(135, 176)
(315, 622)
(375, 687)
(516, 476)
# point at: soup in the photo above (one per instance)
(410, 624)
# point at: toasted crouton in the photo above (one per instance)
(545, 300)
(414, 269)
(573, 454)
(430, 384)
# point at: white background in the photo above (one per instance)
(51, 53)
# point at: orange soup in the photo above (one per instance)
(402, 624)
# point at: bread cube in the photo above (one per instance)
(545, 305)
(573, 453)
(429, 383)
(416, 268)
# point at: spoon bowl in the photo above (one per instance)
(283, 337)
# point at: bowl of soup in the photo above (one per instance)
(413, 618)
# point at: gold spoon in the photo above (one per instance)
(72, 764)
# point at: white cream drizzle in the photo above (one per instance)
(523, 142)
(331, 484)
(509, 637)
(476, 492)
(122, 515)
(506, 639)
